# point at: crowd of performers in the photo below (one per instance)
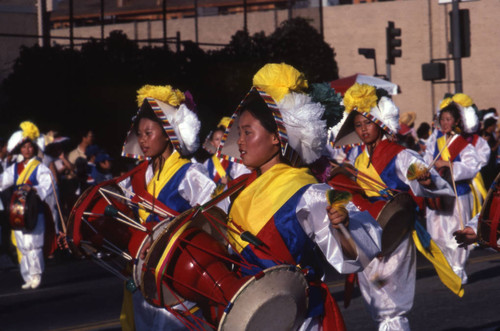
(304, 168)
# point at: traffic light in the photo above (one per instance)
(464, 32)
(391, 32)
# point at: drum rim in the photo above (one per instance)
(254, 279)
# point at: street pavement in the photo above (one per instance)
(80, 295)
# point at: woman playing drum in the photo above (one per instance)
(387, 283)
(463, 162)
(164, 132)
(282, 209)
(29, 174)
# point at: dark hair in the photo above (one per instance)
(146, 112)
(220, 128)
(256, 106)
(83, 132)
(489, 122)
(423, 130)
(3, 142)
(454, 111)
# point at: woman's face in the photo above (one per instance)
(216, 138)
(28, 150)
(447, 122)
(257, 145)
(366, 130)
(152, 138)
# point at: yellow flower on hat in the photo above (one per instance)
(30, 130)
(278, 80)
(360, 97)
(167, 94)
(445, 102)
(224, 122)
(463, 100)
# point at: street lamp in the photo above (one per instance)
(369, 53)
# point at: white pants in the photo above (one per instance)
(30, 244)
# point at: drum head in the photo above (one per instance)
(396, 219)
(23, 213)
(204, 221)
(276, 301)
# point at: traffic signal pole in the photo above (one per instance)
(457, 54)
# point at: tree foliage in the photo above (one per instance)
(95, 86)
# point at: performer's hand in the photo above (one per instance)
(145, 248)
(425, 179)
(26, 187)
(337, 216)
(465, 237)
(441, 163)
(62, 242)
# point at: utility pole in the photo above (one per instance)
(164, 12)
(457, 54)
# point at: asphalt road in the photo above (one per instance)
(79, 295)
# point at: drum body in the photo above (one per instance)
(488, 228)
(23, 211)
(189, 262)
(396, 217)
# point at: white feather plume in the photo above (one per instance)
(186, 126)
(305, 129)
(469, 119)
(389, 113)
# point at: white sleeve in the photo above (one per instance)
(196, 186)
(468, 166)
(483, 151)
(7, 177)
(311, 214)
(430, 147)
(44, 179)
(238, 169)
(403, 161)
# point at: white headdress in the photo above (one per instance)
(28, 132)
(301, 130)
(179, 122)
(362, 99)
(468, 111)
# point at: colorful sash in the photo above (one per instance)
(24, 176)
(452, 153)
(381, 167)
(171, 166)
(221, 167)
(261, 199)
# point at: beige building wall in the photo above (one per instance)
(425, 35)
(16, 17)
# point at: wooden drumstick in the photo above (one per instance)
(456, 196)
(57, 203)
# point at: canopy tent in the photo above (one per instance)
(342, 85)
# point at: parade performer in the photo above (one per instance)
(220, 170)
(31, 175)
(277, 128)
(164, 133)
(387, 283)
(450, 150)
